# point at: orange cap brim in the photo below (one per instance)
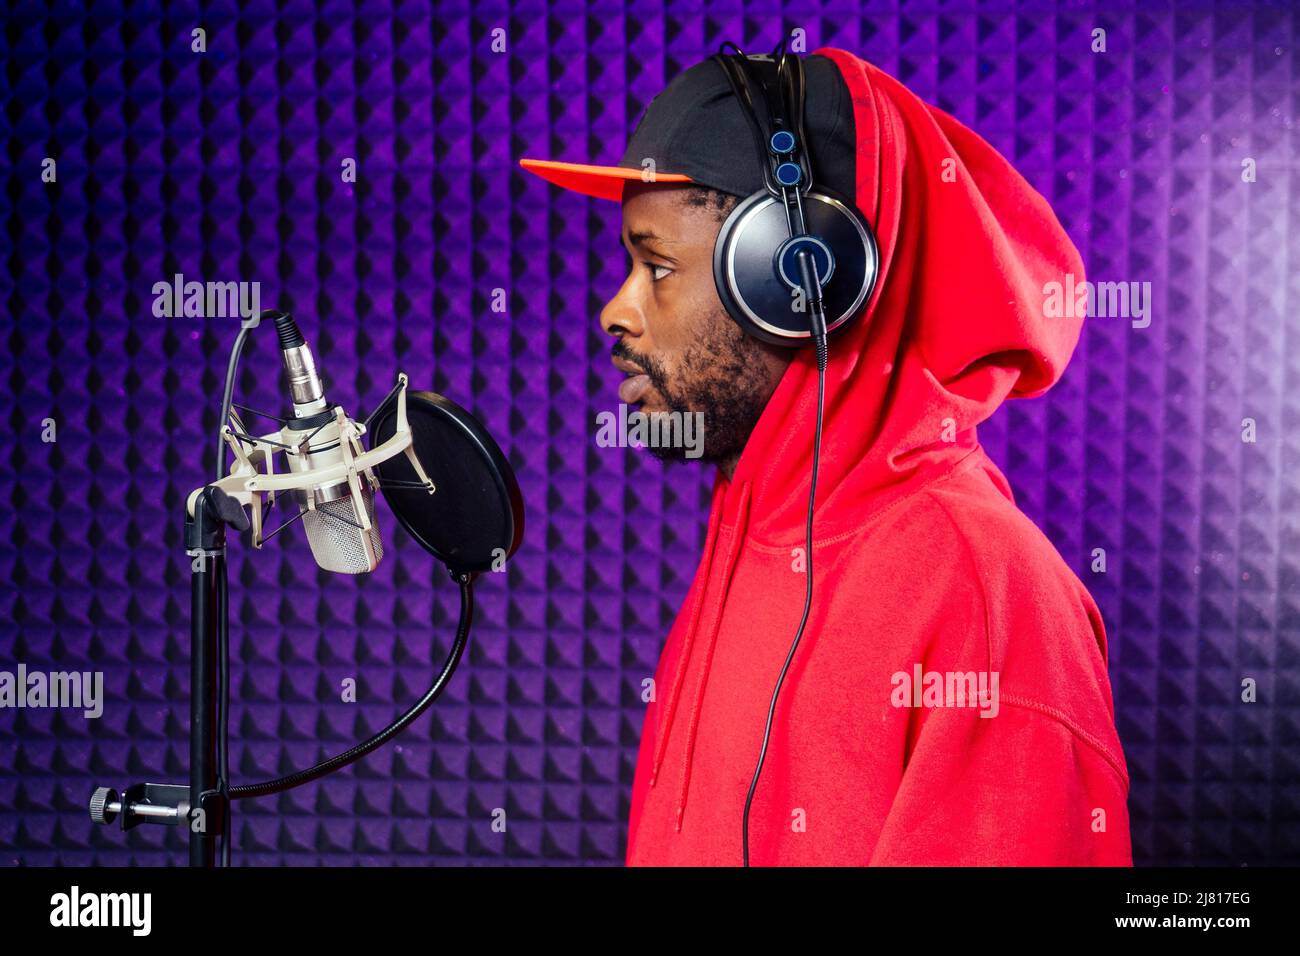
(603, 182)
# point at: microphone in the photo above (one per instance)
(341, 527)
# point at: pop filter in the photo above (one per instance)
(475, 518)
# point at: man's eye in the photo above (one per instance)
(655, 273)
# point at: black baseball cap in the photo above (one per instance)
(696, 131)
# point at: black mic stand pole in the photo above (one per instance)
(205, 542)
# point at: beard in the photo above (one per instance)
(722, 375)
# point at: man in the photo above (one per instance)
(949, 701)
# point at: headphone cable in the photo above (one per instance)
(819, 339)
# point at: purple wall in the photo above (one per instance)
(225, 165)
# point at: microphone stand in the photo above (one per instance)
(204, 805)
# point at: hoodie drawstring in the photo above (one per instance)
(674, 693)
(729, 566)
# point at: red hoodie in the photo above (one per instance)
(921, 560)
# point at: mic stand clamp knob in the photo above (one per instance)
(141, 803)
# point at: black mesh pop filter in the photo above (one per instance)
(476, 516)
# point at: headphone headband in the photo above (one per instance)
(790, 92)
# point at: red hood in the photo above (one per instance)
(956, 323)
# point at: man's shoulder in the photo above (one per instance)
(963, 552)
(966, 520)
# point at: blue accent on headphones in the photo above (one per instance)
(789, 174)
(782, 142)
(787, 265)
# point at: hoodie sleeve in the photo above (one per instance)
(1019, 789)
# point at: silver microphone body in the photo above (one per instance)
(331, 514)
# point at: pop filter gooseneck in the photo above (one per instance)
(393, 729)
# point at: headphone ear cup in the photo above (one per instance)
(746, 270)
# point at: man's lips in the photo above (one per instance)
(633, 388)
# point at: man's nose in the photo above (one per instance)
(623, 314)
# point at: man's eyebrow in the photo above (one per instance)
(638, 237)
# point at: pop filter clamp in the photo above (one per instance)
(466, 541)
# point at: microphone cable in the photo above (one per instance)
(223, 623)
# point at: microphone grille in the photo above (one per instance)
(335, 543)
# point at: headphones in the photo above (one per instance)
(793, 263)
(790, 225)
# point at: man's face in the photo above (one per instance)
(679, 348)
